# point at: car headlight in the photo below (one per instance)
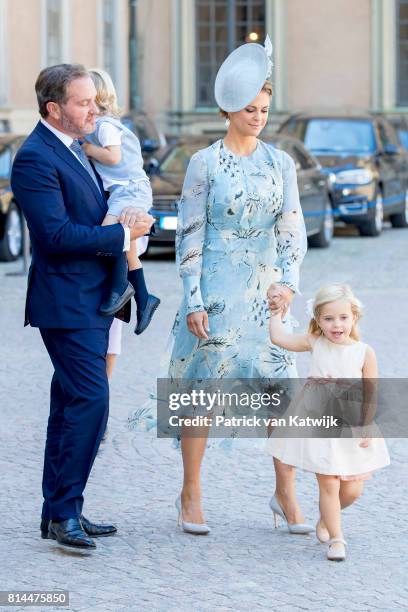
(361, 176)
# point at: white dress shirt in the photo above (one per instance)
(67, 141)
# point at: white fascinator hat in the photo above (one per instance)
(242, 75)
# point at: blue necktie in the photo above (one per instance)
(77, 149)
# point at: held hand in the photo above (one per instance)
(197, 323)
(279, 298)
(139, 229)
(131, 215)
(141, 215)
(274, 307)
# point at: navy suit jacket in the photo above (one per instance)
(71, 252)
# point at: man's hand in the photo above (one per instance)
(138, 221)
(197, 323)
(131, 215)
(138, 229)
(279, 298)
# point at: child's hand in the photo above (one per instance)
(87, 148)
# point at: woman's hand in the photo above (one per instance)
(197, 323)
(279, 298)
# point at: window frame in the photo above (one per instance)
(230, 44)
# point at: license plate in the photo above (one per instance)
(168, 223)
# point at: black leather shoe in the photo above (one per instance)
(97, 531)
(116, 301)
(44, 529)
(70, 533)
(145, 316)
(92, 529)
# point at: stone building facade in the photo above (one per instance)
(338, 53)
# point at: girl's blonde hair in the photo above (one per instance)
(106, 97)
(332, 293)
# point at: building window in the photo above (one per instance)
(402, 53)
(108, 37)
(223, 25)
(54, 32)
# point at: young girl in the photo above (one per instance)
(117, 156)
(340, 464)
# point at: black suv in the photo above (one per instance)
(366, 164)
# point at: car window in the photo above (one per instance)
(340, 135)
(5, 163)
(287, 146)
(293, 127)
(403, 138)
(304, 158)
(177, 160)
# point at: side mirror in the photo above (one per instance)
(153, 166)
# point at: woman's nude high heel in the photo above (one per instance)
(299, 528)
(194, 528)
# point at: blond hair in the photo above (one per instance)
(332, 293)
(267, 86)
(106, 97)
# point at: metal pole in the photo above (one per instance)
(134, 98)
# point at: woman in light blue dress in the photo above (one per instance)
(240, 233)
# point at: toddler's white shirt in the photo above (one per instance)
(109, 136)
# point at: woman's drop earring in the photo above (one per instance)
(227, 122)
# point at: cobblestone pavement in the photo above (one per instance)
(244, 564)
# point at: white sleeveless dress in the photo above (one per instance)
(343, 457)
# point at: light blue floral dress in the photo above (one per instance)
(240, 228)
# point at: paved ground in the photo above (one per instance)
(244, 563)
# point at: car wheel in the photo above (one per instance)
(401, 219)
(323, 239)
(374, 225)
(11, 245)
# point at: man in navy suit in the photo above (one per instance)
(63, 201)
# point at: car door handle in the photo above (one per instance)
(307, 186)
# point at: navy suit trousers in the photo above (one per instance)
(79, 410)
